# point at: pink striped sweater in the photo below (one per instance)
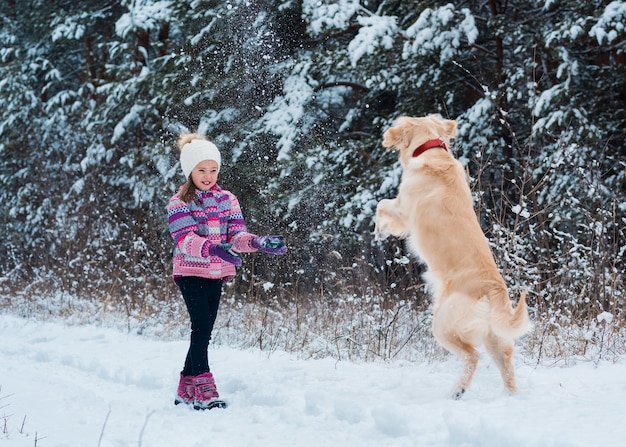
(195, 227)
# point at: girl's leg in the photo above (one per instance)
(202, 298)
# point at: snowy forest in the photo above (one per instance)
(296, 94)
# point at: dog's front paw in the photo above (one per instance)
(389, 222)
(381, 231)
(380, 236)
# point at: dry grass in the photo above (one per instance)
(355, 327)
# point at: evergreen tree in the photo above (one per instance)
(297, 95)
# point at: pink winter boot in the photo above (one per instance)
(186, 393)
(206, 393)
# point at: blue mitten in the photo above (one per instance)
(225, 252)
(274, 245)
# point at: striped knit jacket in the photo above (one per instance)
(195, 227)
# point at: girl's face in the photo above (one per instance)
(204, 175)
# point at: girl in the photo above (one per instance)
(208, 228)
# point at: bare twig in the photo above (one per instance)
(145, 423)
(106, 418)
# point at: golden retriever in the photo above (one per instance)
(434, 211)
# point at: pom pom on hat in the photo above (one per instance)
(195, 151)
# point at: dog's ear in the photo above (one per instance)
(392, 138)
(396, 137)
(449, 127)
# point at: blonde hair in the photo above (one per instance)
(188, 190)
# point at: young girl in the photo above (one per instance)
(209, 230)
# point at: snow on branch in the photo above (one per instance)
(440, 31)
(375, 32)
(610, 25)
(284, 115)
(322, 17)
(143, 14)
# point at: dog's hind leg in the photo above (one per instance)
(470, 356)
(501, 351)
(466, 352)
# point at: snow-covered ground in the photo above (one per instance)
(87, 386)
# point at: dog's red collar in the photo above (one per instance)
(429, 145)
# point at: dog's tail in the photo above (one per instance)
(508, 322)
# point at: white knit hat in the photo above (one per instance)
(196, 151)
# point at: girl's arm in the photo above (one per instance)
(237, 232)
(183, 229)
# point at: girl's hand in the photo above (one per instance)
(274, 245)
(224, 252)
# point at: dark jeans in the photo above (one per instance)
(202, 298)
